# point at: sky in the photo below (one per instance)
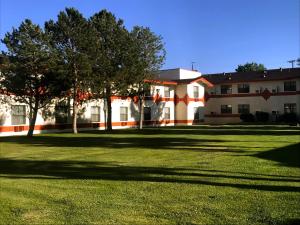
(217, 35)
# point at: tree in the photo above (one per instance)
(298, 62)
(112, 58)
(250, 67)
(149, 55)
(73, 39)
(28, 69)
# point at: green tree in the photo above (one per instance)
(28, 69)
(250, 67)
(73, 39)
(112, 59)
(149, 55)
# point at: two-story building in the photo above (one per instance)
(274, 91)
(176, 97)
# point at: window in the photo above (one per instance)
(95, 114)
(147, 92)
(226, 89)
(167, 92)
(243, 88)
(290, 86)
(196, 91)
(243, 108)
(167, 113)
(290, 108)
(18, 114)
(61, 113)
(123, 113)
(147, 113)
(226, 109)
(196, 113)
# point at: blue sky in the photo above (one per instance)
(216, 34)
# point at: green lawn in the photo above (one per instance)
(182, 175)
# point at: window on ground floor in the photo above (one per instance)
(18, 114)
(147, 113)
(226, 109)
(95, 114)
(290, 108)
(61, 113)
(123, 113)
(197, 113)
(243, 108)
(167, 115)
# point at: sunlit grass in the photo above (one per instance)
(181, 175)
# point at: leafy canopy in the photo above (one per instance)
(248, 67)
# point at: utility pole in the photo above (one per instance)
(193, 65)
(292, 62)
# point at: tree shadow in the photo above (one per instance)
(208, 130)
(286, 156)
(128, 142)
(40, 169)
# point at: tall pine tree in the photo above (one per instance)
(73, 39)
(28, 69)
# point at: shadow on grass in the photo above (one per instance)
(287, 155)
(38, 169)
(210, 130)
(118, 142)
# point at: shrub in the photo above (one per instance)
(288, 118)
(247, 117)
(262, 116)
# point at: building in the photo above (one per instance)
(176, 97)
(274, 91)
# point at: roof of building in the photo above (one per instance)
(267, 75)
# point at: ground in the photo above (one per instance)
(182, 175)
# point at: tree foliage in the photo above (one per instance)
(113, 58)
(28, 68)
(73, 39)
(248, 67)
(148, 56)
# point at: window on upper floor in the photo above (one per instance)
(147, 113)
(244, 108)
(290, 85)
(95, 114)
(226, 109)
(243, 88)
(167, 92)
(290, 108)
(226, 89)
(18, 114)
(123, 113)
(167, 115)
(196, 92)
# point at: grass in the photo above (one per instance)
(179, 175)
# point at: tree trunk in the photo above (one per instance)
(32, 119)
(141, 103)
(74, 118)
(109, 113)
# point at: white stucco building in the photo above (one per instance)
(177, 97)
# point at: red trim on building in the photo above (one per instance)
(265, 94)
(161, 82)
(203, 80)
